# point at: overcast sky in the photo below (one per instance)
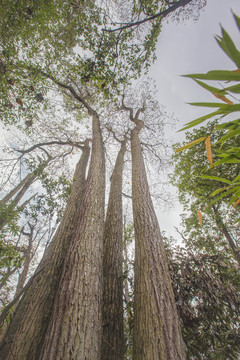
(190, 48)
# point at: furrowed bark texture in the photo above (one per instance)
(113, 336)
(27, 329)
(76, 325)
(156, 334)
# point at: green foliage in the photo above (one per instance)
(206, 289)
(12, 217)
(10, 260)
(195, 192)
(227, 154)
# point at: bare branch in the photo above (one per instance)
(161, 14)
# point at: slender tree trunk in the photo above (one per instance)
(223, 228)
(16, 189)
(75, 330)
(9, 209)
(26, 331)
(113, 335)
(27, 259)
(25, 184)
(157, 333)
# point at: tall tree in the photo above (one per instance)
(25, 336)
(76, 324)
(157, 333)
(113, 336)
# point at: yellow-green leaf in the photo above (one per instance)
(209, 150)
(187, 146)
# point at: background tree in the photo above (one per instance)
(113, 331)
(218, 220)
(153, 294)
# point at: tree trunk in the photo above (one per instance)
(223, 228)
(16, 189)
(25, 184)
(27, 260)
(113, 336)
(157, 333)
(27, 328)
(76, 324)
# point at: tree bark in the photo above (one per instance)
(27, 328)
(27, 260)
(16, 189)
(156, 333)
(223, 228)
(25, 184)
(113, 335)
(76, 324)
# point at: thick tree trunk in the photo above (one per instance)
(76, 324)
(157, 333)
(113, 335)
(26, 331)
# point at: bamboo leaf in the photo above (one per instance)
(187, 146)
(230, 135)
(228, 46)
(236, 202)
(212, 89)
(216, 178)
(229, 124)
(237, 19)
(217, 105)
(223, 98)
(200, 120)
(221, 75)
(209, 150)
(219, 190)
(222, 195)
(235, 196)
(234, 88)
(199, 217)
(236, 178)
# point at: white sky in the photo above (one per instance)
(184, 49)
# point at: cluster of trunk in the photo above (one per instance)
(72, 307)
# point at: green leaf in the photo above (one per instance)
(218, 191)
(224, 75)
(217, 105)
(200, 120)
(216, 178)
(235, 196)
(222, 195)
(227, 125)
(227, 160)
(234, 88)
(212, 89)
(236, 178)
(192, 143)
(228, 46)
(230, 135)
(237, 19)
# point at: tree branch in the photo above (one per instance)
(162, 14)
